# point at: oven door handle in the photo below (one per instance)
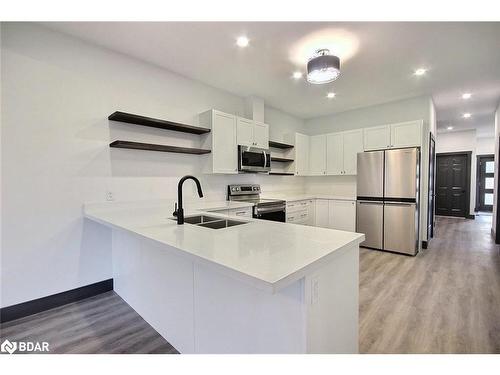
(270, 209)
(265, 159)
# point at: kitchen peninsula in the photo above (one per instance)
(257, 287)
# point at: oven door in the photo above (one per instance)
(273, 213)
(253, 159)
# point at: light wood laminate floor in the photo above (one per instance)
(444, 300)
(104, 324)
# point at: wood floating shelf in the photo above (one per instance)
(130, 118)
(279, 145)
(281, 174)
(281, 160)
(154, 147)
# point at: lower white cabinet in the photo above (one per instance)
(300, 212)
(336, 214)
(321, 213)
(342, 215)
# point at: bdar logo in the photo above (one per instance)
(9, 347)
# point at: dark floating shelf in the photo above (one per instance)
(279, 145)
(156, 123)
(281, 160)
(281, 174)
(153, 147)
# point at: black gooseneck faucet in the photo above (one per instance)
(179, 211)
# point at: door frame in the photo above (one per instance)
(468, 154)
(478, 178)
(431, 207)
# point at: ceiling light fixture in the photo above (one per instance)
(323, 67)
(242, 41)
(297, 75)
(330, 95)
(449, 128)
(420, 72)
(467, 95)
(466, 115)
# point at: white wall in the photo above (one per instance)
(419, 108)
(58, 92)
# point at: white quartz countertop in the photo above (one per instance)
(269, 255)
(292, 197)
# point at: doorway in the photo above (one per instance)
(453, 184)
(484, 182)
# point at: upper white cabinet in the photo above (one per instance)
(377, 137)
(317, 155)
(334, 154)
(404, 134)
(301, 154)
(252, 133)
(261, 135)
(341, 152)
(222, 141)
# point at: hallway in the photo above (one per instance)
(424, 304)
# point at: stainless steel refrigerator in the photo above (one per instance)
(388, 199)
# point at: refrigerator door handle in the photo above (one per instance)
(399, 204)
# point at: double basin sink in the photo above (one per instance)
(211, 222)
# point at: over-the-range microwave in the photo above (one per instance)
(252, 159)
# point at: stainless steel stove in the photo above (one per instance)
(266, 209)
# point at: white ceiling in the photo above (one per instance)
(461, 57)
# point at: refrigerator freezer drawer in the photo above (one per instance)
(369, 220)
(370, 177)
(400, 227)
(401, 173)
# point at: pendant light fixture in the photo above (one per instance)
(323, 67)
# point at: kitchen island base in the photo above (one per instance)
(200, 308)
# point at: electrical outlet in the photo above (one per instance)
(110, 196)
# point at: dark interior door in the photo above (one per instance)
(452, 185)
(432, 188)
(485, 178)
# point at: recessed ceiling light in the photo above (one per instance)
(420, 72)
(330, 95)
(242, 41)
(467, 95)
(449, 128)
(297, 75)
(466, 115)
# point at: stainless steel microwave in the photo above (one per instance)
(252, 159)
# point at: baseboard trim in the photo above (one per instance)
(424, 244)
(46, 303)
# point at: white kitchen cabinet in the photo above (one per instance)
(222, 141)
(352, 144)
(334, 154)
(377, 137)
(252, 134)
(317, 155)
(342, 151)
(301, 154)
(261, 135)
(240, 212)
(321, 213)
(342, 215)
(406, 134)
(245, 132)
